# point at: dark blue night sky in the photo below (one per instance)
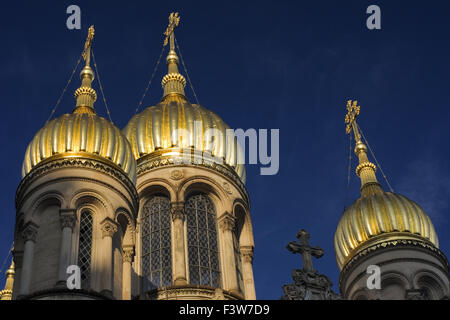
(288, 65)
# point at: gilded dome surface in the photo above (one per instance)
(377, 217)
(177, 130)
(380, 214)
(159, 127)
(80, 134)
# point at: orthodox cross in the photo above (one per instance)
(88, 45)
(174, 20)
(350, 119)
(305, 250)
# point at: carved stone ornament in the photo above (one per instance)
(176, 174)
(68, 218)
(247, 254)
(128, 254)
(226, 222)
(108, 227)
(177, 210)
(227, 188)
(29, 232)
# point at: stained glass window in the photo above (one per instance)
(85, 249)
(203, 250)
(156, 243)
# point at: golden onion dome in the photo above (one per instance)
(81, 134)
(174, 125)
(160, 128)
(377, 217)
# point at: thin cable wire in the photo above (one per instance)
(348, 170)
(185, 70)
(376, 161)
(100, 85)
(64, 90)
(6, 259)
(150, 81)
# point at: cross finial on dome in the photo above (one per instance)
(365, 169)
(173, 82)
(85, 95)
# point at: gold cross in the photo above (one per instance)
(174, 20)
(350, 118)
(88, 44)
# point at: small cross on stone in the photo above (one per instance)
(305, 250)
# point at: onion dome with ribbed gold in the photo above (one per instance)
(82, 134)
(176, 130)
(378, 218)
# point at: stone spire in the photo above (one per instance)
(173, 82)
(365, 169)
(85, 95)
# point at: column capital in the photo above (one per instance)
(29, 231)
(247, 254)
(128, 254)
(177, 210)
(68, 217)
(226, 222)
(109, 227)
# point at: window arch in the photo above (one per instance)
(85, 248)
(203, 252)
(156, 243)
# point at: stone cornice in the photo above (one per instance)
(157, 160)
(78, 162)
(392, 244)
(175, 292)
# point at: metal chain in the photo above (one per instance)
(350, 154)
(376, 161)
(64, 90)
(151, 79)
(100, 85)
(185, 70)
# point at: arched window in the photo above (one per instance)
(85, 249)
(238, 261)
(203, 250)
(156, 243)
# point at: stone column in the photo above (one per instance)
(226, 225)
(128, 253)
(247, 270)
(179, 256)
(68, 219)
(109, 228)
(29, 235)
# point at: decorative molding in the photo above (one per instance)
(227, 222)
(156, 160)
(29, 231)
(92, 164)
(109, 227)
(177, 210)
(391, 244)
(190, 291)
(68, 218)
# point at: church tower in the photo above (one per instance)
(76, 205)
(388, 231)
(194, 232)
